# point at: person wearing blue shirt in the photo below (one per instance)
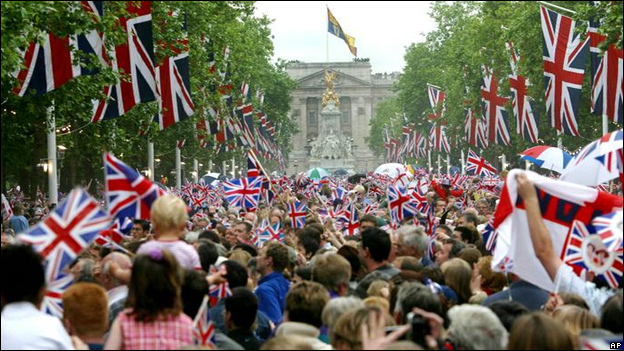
(18, 222)
(273, 287)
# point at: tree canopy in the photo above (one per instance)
(213, 24)
(472, 34)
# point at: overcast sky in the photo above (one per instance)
(382, 30)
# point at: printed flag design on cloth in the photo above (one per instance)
(564, 53)
(400, 204)
(474, 128)
(609, 227)
(561, 204)
(203, 327)
(61, 237)
(50, 64)
(270, 232)
(244, 192)
(494, 113)
(334, 28)
(174, 99)
(297, 212)
(135, 59)
(526, 119)
(436, 101)
(128, 193)
(478, 165)
(607, 90)
(587, 251)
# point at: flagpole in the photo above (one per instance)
(52, 165)
(210, 166)
(439, 167)
(448, 164)
(196, 170)
(233, 168)
(605, 124)
(223, 168)
(150, 159)
(556, 7)
(178, 168)
(463, 163)
(327, 39)
(429, 160)
(559, 140)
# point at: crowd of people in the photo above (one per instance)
(384, 287)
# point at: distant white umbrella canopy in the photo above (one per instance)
(392, 169)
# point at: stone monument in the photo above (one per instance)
(331, 150)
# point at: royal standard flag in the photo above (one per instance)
(334, 28)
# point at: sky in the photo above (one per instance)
(382, 30)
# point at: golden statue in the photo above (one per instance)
(330, 95)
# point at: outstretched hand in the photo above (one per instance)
(525, 187)
(374, 333)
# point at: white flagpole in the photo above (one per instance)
(150, 159)
(178, 168)
(52, 165)
(463, 162)
(196, 170)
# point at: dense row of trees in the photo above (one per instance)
(468, 35)
(230, 23)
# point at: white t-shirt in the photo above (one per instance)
(26, 328)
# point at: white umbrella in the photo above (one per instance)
(392, 169)
(596, 163)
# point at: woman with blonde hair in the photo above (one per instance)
(346, 333)
(538, 331)
(575, 319)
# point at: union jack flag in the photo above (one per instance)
(53, 299)
(496, 117)
(490, 235)
(67, 231)
(475, 130)
(51, 64)
(526, 120)
(116, 233)
(180, 143)
(135, 59)
(245, 91)
(400, 204)
(244, 192)
(269, 233)
(7, 211)
(437, 138)
(564, 67)
(203, 327)
(174, 88)
(349, 219)
(606, 94)
(479, 166)
(609, 227)
(586, 251)
(297, 212)
(436, 101)
(128, 193)
(419, 201)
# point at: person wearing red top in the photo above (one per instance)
(443, 190)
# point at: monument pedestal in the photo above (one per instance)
(332, 150)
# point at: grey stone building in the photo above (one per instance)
(359, 90)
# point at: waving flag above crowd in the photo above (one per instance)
(73, 225)
(564, 206)
(128, 193)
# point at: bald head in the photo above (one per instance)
(106, 279)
